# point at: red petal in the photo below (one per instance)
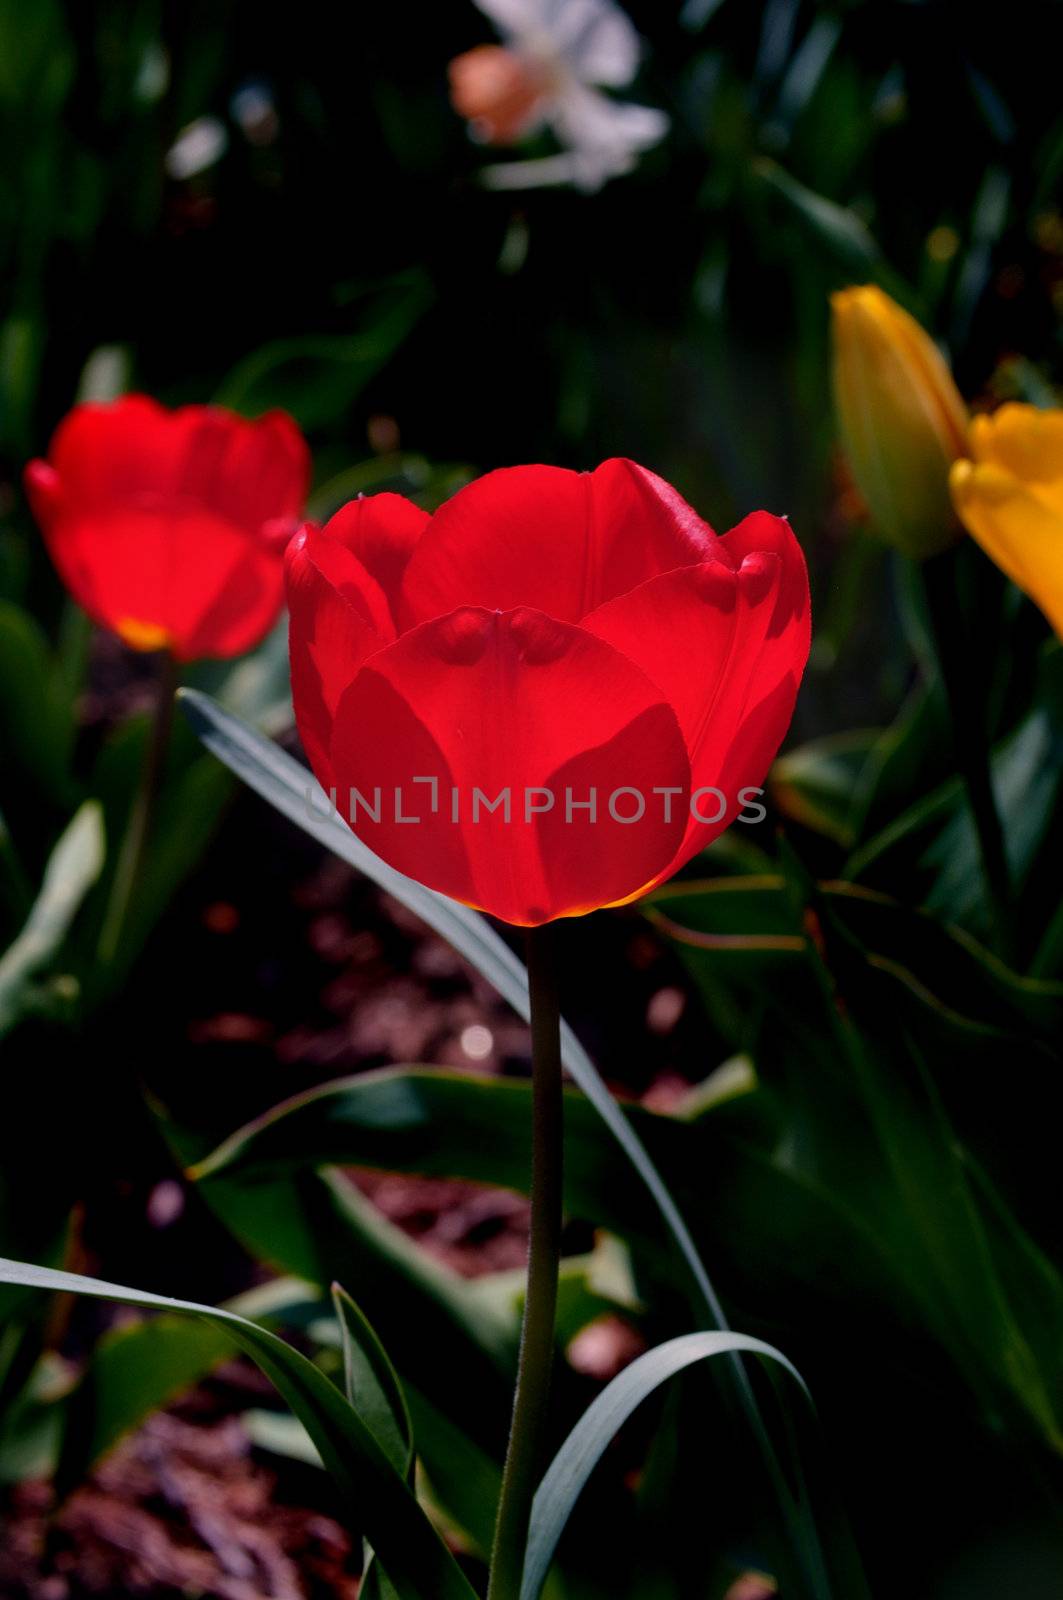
(727, 649)
(511, 701)
(382, 530)
(43, 492)
(191, 582)
(134, 452)
(339, 616)
(244, 597)
(563, 542)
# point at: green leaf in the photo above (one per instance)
(930, 844)
(816, 783)
(839, 231)
(417, 1561)
(909, 758)
(132, 1372)
(281, 1434)
(136, 1369)
(373, 1387)
(372, 1384)
(465, 1479)
(583, 1449)
(73, 867)
(316, 1225)
(442, 1123)
(441, 1334)
(739, 933)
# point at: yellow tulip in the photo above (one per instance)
(1010, 497)
(903, 420)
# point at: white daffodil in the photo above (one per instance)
(557, 57)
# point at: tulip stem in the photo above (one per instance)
(528, 1430)
(956, 656)
(129, 868)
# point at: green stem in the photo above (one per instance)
(957, 662)
(527, 1436)
(130, 866)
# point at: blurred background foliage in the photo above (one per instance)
(879, 1199)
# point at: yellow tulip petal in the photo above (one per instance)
(1017, 528)
(1024, 440)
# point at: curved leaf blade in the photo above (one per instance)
(583, 1449)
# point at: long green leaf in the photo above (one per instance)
(417, 1562)
(372, 1383)
(585, 1445)
(442, 1123)
(135, 1369)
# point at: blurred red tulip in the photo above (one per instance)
(169, 527)
(582, 644)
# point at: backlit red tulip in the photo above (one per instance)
(169, 527)
(549, 695)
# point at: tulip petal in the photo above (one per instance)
(726, 643)
(382, 530)
(1023, 440)
(1019, 527)
(493, 702)
(339, 617)
(558, 541)
(191, 583)
(134, 451)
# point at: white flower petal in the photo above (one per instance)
(590, 122)
(518, 20)
(597, 40)
(594, 38)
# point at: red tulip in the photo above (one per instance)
(169, 527)
(545, 635)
